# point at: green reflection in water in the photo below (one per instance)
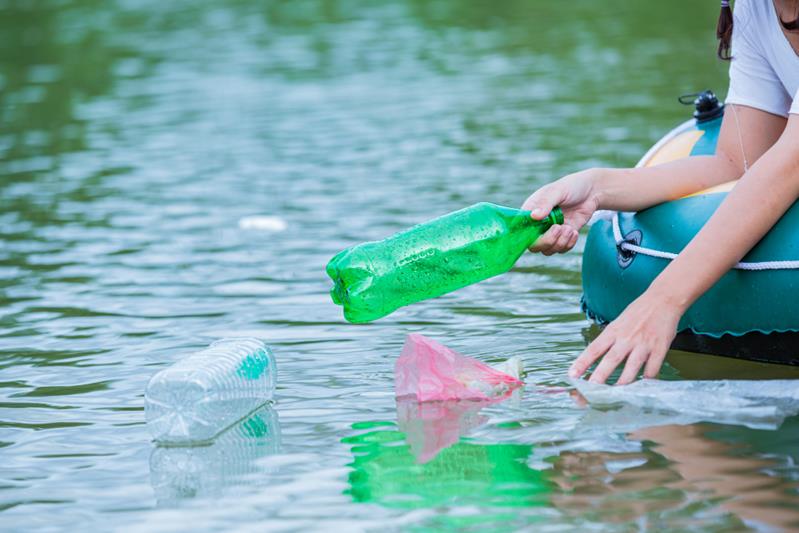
(387, 471)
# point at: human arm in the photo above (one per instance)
(642, 334)
(580, 194)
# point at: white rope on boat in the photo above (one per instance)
(634, 248)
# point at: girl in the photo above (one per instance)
(758, 145)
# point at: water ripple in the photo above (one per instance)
(174, 173)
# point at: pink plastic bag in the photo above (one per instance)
(429, 371)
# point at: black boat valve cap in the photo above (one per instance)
(706, 105)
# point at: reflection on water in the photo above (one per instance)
(426, 465)
(136, 136)
(185, 472)
(743, 483)
(430, 427)
(683, 475)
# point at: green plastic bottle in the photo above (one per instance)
(374, 279)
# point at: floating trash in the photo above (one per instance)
(263, 223)
(200, 396)
(752, 403)
(375, 279)
(429, 371)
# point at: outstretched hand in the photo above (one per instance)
(577, 198)
(640, 338)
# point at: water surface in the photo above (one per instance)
(135, 136)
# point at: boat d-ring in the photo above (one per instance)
(623, 256)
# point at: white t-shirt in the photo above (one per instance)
(764, 71)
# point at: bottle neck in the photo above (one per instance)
(527, 229)
(555, 216)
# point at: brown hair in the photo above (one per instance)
(724, 30)
(792, 25)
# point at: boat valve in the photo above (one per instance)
(706, 105)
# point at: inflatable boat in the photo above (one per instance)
(751, 313)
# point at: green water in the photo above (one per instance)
(135, 136)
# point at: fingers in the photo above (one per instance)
(573, 240)
(578, 398)
(545, 242)
(654, 362)
(542, 201)
(612, 350)
(635, 361)
(567, 235)
(613, 358)
(642, 335)
(557, 239)
(594, 351)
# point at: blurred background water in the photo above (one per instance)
(136, 135)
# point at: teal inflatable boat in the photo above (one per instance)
(752, 312)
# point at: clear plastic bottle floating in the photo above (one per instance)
(202, 395)
(374, 279)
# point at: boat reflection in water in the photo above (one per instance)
(184, 472)
(423, 462)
